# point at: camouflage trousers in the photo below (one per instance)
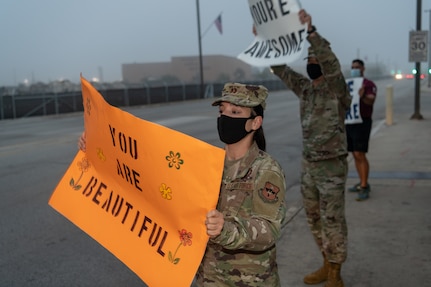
(322, 187)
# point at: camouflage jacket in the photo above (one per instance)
(322, 107)
(252, 200)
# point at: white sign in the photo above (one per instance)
(280, 36)
(418, 46)
(353, 115)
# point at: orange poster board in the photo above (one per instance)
(142, 191)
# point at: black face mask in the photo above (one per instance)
(314, 71)
(231, 130)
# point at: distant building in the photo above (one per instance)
(216, 68)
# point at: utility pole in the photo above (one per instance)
(417, 115)
(201, 70)
(429, 50)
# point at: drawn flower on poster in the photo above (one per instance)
(100, 154)
(185, 240)
(166, 191)
(83, 166)
(174, 160)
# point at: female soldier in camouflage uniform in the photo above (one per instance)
(245, 226)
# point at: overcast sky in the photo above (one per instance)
(47, 40)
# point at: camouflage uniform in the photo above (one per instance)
(324, 165)
(252, 202)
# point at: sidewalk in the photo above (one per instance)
(390, 233)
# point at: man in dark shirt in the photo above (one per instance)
(358, 134)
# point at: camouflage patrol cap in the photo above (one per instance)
(243, 95)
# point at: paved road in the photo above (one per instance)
(39, 247)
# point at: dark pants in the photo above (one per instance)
(358, 135)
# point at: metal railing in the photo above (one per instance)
(13, 106)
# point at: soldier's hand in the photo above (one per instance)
(305, 18)
(82, 145)
(214, 223)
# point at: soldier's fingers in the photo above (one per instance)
(214, 214)
(82, 144)
(213, 229)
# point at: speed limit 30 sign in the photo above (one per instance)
(418, 46)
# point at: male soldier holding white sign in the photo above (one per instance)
(323, 104)
(358, 134)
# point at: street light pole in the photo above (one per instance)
(429, 49)
(201, 73)
(417, 115)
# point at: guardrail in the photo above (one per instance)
(26, 105)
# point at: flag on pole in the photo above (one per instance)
(217, 22)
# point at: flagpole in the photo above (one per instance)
(201, 73)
